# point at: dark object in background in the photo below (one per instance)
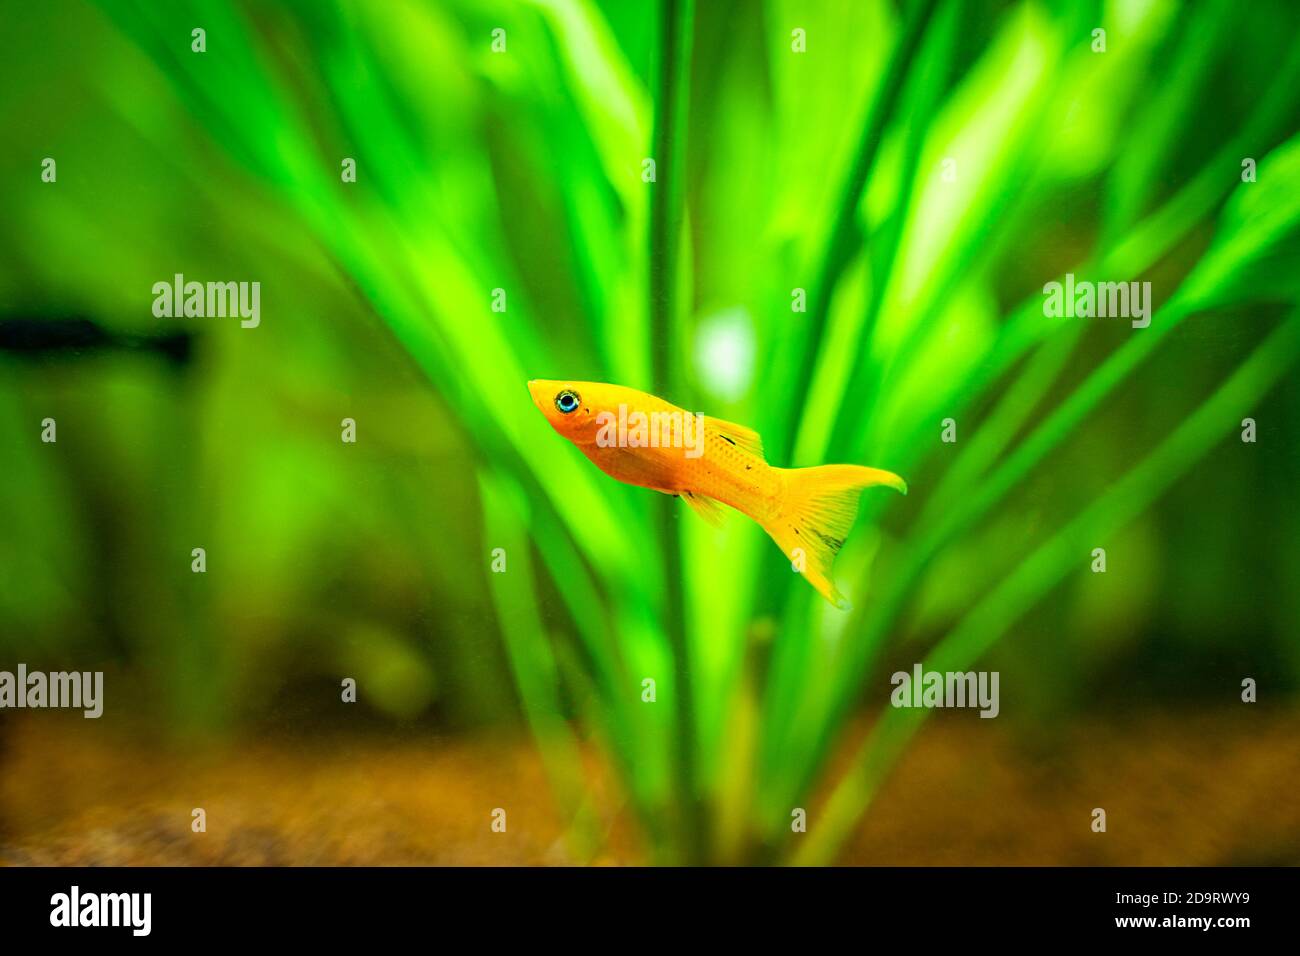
(31, 338)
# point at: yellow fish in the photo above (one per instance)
(643, 440)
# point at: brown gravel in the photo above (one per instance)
(1181, 790)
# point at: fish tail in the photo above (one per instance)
(818, 509)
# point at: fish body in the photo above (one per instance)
(643, 440)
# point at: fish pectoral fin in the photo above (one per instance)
(739, 435)
(706, 508)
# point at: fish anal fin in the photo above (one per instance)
(706, 508)
(739, 435)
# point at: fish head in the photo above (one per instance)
(571, 407)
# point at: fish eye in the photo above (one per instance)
(567, 401)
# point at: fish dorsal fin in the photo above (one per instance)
(738, 435)
(706, 508)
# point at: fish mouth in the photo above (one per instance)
(537, 389)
